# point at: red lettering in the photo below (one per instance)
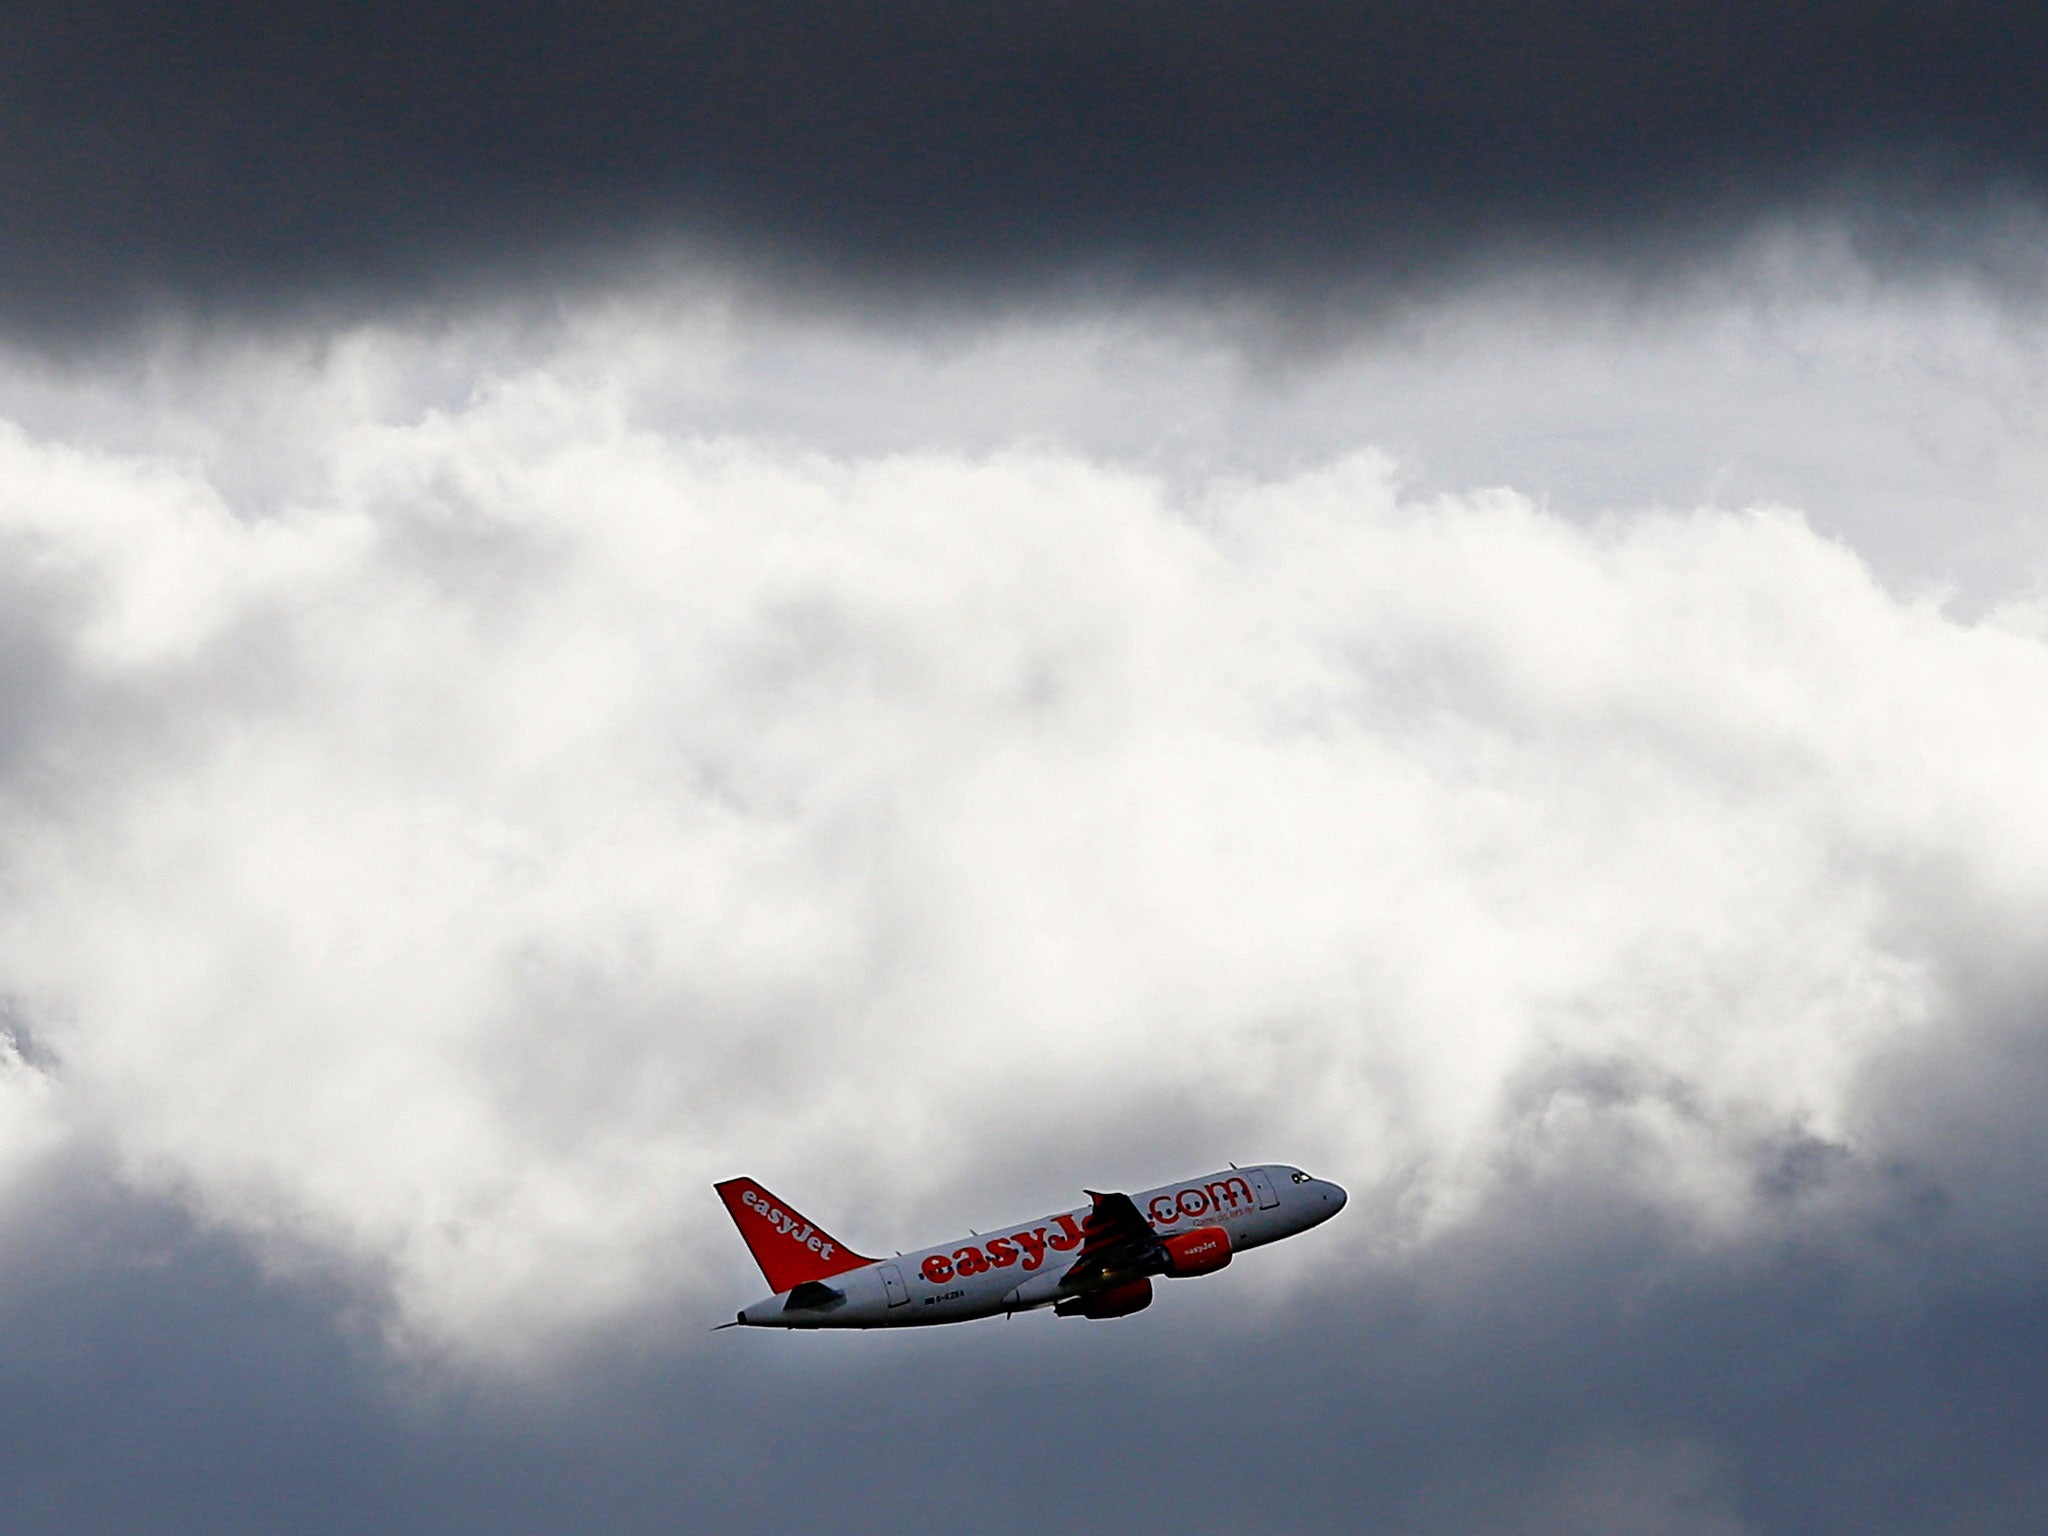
(1033, 1243)
(1002, 1252)
(1201, 1202)
(1161, 1210)
(1067, 1238)
(1229, 1192)
(936, 1269)
(970, 1261)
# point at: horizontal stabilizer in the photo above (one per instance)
(813, 1295)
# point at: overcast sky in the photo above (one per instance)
(944, 609)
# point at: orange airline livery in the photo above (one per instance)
(1097, 1260)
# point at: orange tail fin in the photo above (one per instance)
(789, 1249)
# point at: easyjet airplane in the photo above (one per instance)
(1095, 1261)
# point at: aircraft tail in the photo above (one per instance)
(789, 1249)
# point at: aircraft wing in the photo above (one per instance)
(1116, 1243)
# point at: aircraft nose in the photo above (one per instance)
(1333, 1195)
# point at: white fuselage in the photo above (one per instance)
(1015, 1268)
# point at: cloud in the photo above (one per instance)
(1904, 418)
(1564, 1363)
(437, 868)
(246, 157)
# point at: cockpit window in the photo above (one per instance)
(1300, 1177)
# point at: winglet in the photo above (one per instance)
(790, 1250)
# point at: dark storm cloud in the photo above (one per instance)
(238, 150)
(1569, 1364)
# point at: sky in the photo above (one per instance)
(949, 607)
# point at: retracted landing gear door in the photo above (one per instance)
(1268, 1196)
(892, 1282)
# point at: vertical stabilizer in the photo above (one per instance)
(790, 1250)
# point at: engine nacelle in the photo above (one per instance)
(1202, 1251)
(1115, 1301)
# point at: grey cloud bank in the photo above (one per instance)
(260, 156)
(1570, 1364)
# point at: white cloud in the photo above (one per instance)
(447, 837)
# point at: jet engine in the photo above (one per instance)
(1201, 1251)
(1119, 1300)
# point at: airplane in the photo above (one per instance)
(1095, 1261)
